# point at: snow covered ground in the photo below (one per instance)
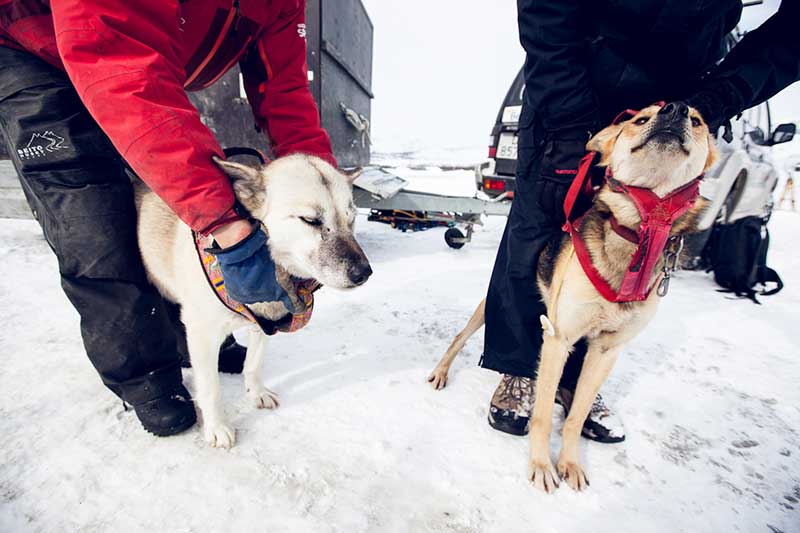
(709, 395)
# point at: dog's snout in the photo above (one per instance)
(674, 111)
(349, 265)
(359, 272)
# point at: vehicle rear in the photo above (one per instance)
(495, 177)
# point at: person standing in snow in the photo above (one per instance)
(586, 62)
(89, 89)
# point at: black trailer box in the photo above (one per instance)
(339, 36)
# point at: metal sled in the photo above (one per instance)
(376, 188)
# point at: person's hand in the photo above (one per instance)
(562, 153)
(248, 269)
(718, 102)
(710, 108)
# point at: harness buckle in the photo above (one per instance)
(672, 252)
(663, 286)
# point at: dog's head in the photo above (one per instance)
(307, 207)
(659, 148)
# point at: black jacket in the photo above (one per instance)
(589, 59)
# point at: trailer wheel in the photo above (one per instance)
(454, 238)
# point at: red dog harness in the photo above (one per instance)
(657, 214)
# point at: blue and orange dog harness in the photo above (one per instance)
(301, 291)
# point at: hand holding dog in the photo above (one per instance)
(563, 151)
(561, 154)
(232, 233)
(248, 268)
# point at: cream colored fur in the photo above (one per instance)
(279, 195)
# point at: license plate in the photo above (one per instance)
(507, 147)
(511, 114)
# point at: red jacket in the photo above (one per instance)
(131, 63)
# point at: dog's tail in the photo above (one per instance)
(439, 375)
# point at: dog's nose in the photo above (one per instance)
(359, 273)
(674, 111)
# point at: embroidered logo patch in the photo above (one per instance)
(41, 144)
(301, 30)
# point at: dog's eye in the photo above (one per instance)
(696, 122)
(316, 222)
(641, 120)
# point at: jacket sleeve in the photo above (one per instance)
(766, 61)
(276, 82)
(124, 64)
(557, 83)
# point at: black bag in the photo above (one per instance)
(737, 253)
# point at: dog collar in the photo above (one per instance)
(301, 292)
(658, 216)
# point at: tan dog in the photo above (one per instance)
(661, 149)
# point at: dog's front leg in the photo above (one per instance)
(204, 340)
(551, 365)
(261, 396)
(599, 360)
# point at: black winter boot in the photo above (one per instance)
(231, 357)
(601, 425)
(169, 414)
(161, 402)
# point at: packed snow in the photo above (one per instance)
(709, 395)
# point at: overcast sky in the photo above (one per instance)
(441, 69)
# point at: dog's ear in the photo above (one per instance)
(246, 180)
(603, 141)
(352, 175)
(713, 153)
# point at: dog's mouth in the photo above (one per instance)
(668, 135)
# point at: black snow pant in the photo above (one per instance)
(78, 189)
(513, 334)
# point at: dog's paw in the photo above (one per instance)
(438, 378)
(219, 435)
(543, 475)
(572, 473)
(262, 397)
